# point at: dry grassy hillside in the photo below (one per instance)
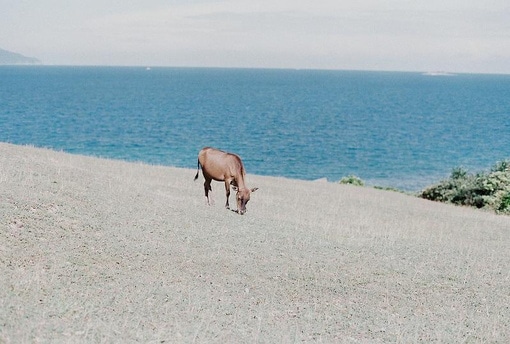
(96, 250)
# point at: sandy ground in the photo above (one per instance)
(95, 250)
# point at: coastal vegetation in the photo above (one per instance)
(352, 180)
(483, 190)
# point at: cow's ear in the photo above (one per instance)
(235, 188)
(254, 189)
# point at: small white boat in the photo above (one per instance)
(438, 73)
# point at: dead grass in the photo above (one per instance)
(95, 250)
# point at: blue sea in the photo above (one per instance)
(392, 129)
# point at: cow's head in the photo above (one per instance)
(242, 197)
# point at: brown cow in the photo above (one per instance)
(224, 167)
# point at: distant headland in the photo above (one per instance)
(10, 58)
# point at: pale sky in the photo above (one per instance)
(470, 36)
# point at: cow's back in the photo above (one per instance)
(220, 165)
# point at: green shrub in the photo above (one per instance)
(459, 173)
(388, 188)
(501, 166)
(483, 190)
(504, 206)
(353, 180)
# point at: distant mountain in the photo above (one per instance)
(10, 58)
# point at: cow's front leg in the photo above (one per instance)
(227, 192)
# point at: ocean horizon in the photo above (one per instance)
(392, 129)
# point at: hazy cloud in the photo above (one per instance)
(453, 35)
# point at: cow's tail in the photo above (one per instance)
(198, 170)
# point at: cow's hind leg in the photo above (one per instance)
(207, 189)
